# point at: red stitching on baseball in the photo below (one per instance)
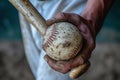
(75, 50)
(51, 38)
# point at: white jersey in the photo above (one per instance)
(33, 40)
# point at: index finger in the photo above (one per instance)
(65, 17)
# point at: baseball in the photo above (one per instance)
(62, 41)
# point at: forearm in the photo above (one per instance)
(96, 11)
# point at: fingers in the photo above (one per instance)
(85, 55)
(88, 41)
(56, 66)
(70, 17)
(87, 49)
(53, 20)
(64, 66)
(65, 17)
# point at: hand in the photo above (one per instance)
(88, 42)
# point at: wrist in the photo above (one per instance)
(94, 13)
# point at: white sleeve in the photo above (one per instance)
(31, 51)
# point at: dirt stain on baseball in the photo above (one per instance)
(66, 44)
(57, 46)
(59, 53)
(51, 49)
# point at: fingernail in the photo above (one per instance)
(60, 65)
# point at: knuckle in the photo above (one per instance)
(92, 44)
(81, 59)
(60, 15)
(65, 71)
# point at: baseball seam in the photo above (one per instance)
(51, 38)
(75, 50)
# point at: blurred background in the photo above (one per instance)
(105, 59)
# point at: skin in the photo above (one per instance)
(89, 24)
